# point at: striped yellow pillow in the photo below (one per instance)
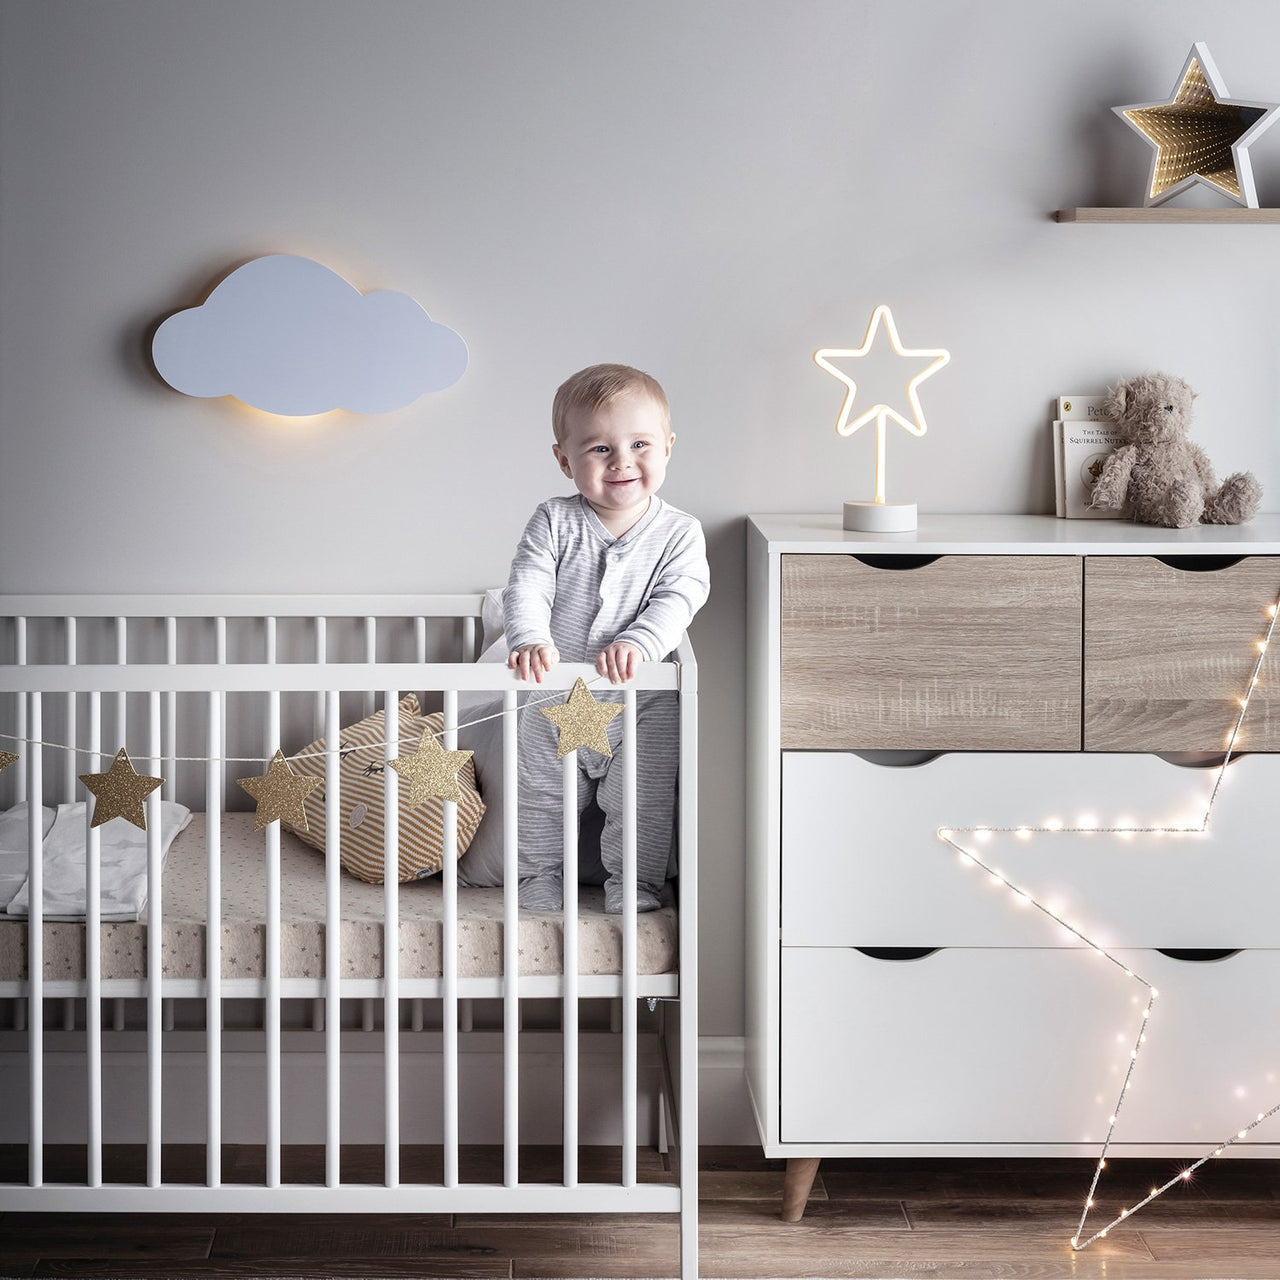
(362, 804)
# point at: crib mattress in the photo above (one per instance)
(421, 914)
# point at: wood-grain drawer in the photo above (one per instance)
(960, 653)
(862, 864)
(990, 1046)
(1168, 652)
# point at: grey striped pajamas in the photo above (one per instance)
(574, 585)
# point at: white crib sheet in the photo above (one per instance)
(302, 928)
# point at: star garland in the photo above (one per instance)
(119, 792)
(968, 857)
(432, 771)
(582, 721)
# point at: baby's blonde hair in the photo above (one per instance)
(597, 385)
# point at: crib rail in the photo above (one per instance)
(37, 679)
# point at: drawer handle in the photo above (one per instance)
(1199, 564)
(897, 953)
(896, 758)
(874, 561)
(1199, 955)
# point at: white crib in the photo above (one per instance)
(185, 682)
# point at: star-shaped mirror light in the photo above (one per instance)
(1199, 135)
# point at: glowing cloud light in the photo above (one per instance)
(290, 336)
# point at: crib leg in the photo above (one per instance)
(317, 1014)
(797, 1185)
(366, 1015)
(466, 1015)
(415, 1014)
(68, 1014)
(117, 1014)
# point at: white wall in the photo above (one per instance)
(707, 190)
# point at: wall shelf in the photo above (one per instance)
(1162, 214)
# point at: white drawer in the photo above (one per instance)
(862, 864)
(1008, 1046)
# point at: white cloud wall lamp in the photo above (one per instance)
(287, 335)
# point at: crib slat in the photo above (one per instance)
(332, 946)
(420, 639)
(271, 1008)
(391, 942)
(370, 655)
(122, 706)
(469, 653)
(569, 1013)
(449, 956)
(510, 949)
(69, 779)
(220, 657)
(321, 655)
(213, 939)
(93, 949)
(155, 952)
(20, 660)
(35, 945)
(628, 762)
(170, 790)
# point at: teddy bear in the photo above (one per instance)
(1166, 478)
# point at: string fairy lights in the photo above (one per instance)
(968, 857)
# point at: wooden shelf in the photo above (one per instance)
(1162, 214)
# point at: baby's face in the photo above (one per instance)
(617, 456)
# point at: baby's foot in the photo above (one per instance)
(541, 893)
(647, 899)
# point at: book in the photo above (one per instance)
(1085, 449)
(1059, 489)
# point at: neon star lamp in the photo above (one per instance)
(877, 515)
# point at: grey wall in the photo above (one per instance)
(707, 190)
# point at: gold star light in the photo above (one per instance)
(431, 770)
(119, 792)
(280, 793)
(1199, 135)
(6, 759)
(582, 721)
(847, 425)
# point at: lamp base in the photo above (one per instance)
(880, 517)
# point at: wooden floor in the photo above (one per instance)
(969, 1220)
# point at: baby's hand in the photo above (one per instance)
(533, 660)
(619, 661)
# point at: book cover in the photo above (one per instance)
(1085, 448)
(1082, 409)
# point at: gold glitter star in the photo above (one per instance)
(6, 759)
(1200, 135)
(431, 770)
(280, 793)
(582, 721)
(119, 792)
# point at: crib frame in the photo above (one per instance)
(33, 682)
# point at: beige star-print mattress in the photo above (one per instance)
(302, 923)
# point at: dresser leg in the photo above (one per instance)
(796, 1187)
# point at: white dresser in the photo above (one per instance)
(1008, 671)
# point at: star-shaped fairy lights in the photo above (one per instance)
(963, 841)
(431, 771)
(582, 721)
(1200, 135)
(280, 793)
(847, 424)
(6, 759)
(119, 792)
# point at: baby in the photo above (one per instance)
(612, 575)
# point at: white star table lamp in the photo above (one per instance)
(878, 515)
(1200, 135)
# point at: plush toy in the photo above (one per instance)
(1167, 479)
